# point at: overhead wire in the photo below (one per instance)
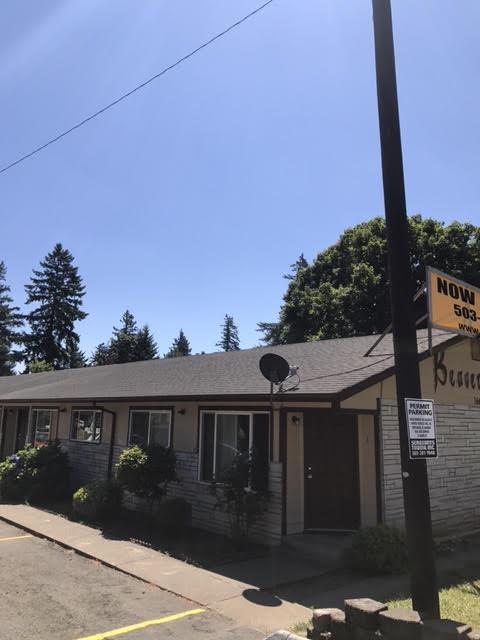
(140, 86)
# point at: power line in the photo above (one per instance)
(135, 89)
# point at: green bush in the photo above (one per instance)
(98, 501)
(174, 516)
(146, 472)
(37, 474)
(379, 550)
(238, 497)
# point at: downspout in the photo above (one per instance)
(112, 441)
(3, 426)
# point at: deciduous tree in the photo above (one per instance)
(344, 292)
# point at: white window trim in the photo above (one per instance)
(150, 411)
(218, 412)
(32, 428)
(85, 410)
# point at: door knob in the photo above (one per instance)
(309, 473)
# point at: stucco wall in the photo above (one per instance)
(295, 473)
(367, 470)
(450, 376)
(454, 477)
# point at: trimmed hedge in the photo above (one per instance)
(37, 474)
(98, 501)
(379, 550)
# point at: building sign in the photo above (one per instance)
(452, 304)
(421, 428)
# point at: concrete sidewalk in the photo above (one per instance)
(234, 590)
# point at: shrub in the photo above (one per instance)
(98, 501)
(35, 474)
(380, 549)
(174, 516)
(146, 472)
(238, 497)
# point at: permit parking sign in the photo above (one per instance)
(422, 439)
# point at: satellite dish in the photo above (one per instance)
(274, 367)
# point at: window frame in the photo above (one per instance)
(150, 410)
(93, 410)
(216, 412)
(32, 428)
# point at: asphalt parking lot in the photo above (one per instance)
(49, 593)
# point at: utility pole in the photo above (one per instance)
(414, 472)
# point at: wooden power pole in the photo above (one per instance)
(414, 472)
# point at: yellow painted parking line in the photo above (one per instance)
(15, 538)
(143, 625)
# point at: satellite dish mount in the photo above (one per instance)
(275, 369)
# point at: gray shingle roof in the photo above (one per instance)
(326, 368)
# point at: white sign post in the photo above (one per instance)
(421, 428)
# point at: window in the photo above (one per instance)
(224, 434)
(150, 427)
(43, 421)
(475, 348)
(87, 425)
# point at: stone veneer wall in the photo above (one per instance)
(204, 514)
(454, 477)
(90, 462)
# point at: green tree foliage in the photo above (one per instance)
(127, 344)
(229, 340)
(78, 359)
(180, 347)
(101, 355)
(344, 292)
(58, 291)
(145, 347)
(10, 321)
(122, 344)
(39, 366)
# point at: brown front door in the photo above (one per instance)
(332, 498)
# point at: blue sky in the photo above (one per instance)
(192, 198)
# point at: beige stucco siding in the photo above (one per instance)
(451, 376)
(367, 470)
(295, 474)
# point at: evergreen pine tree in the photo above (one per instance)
(145, 345)
(229, 340)
(102, 355)
(180, 347)
(78, 359)
(10, 320)
(123, 342)
(58, 291)
(127, 344)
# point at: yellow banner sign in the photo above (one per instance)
(452, 304)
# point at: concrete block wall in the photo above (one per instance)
(364, 618)
(454, 477)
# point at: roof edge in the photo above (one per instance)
(386, 373)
